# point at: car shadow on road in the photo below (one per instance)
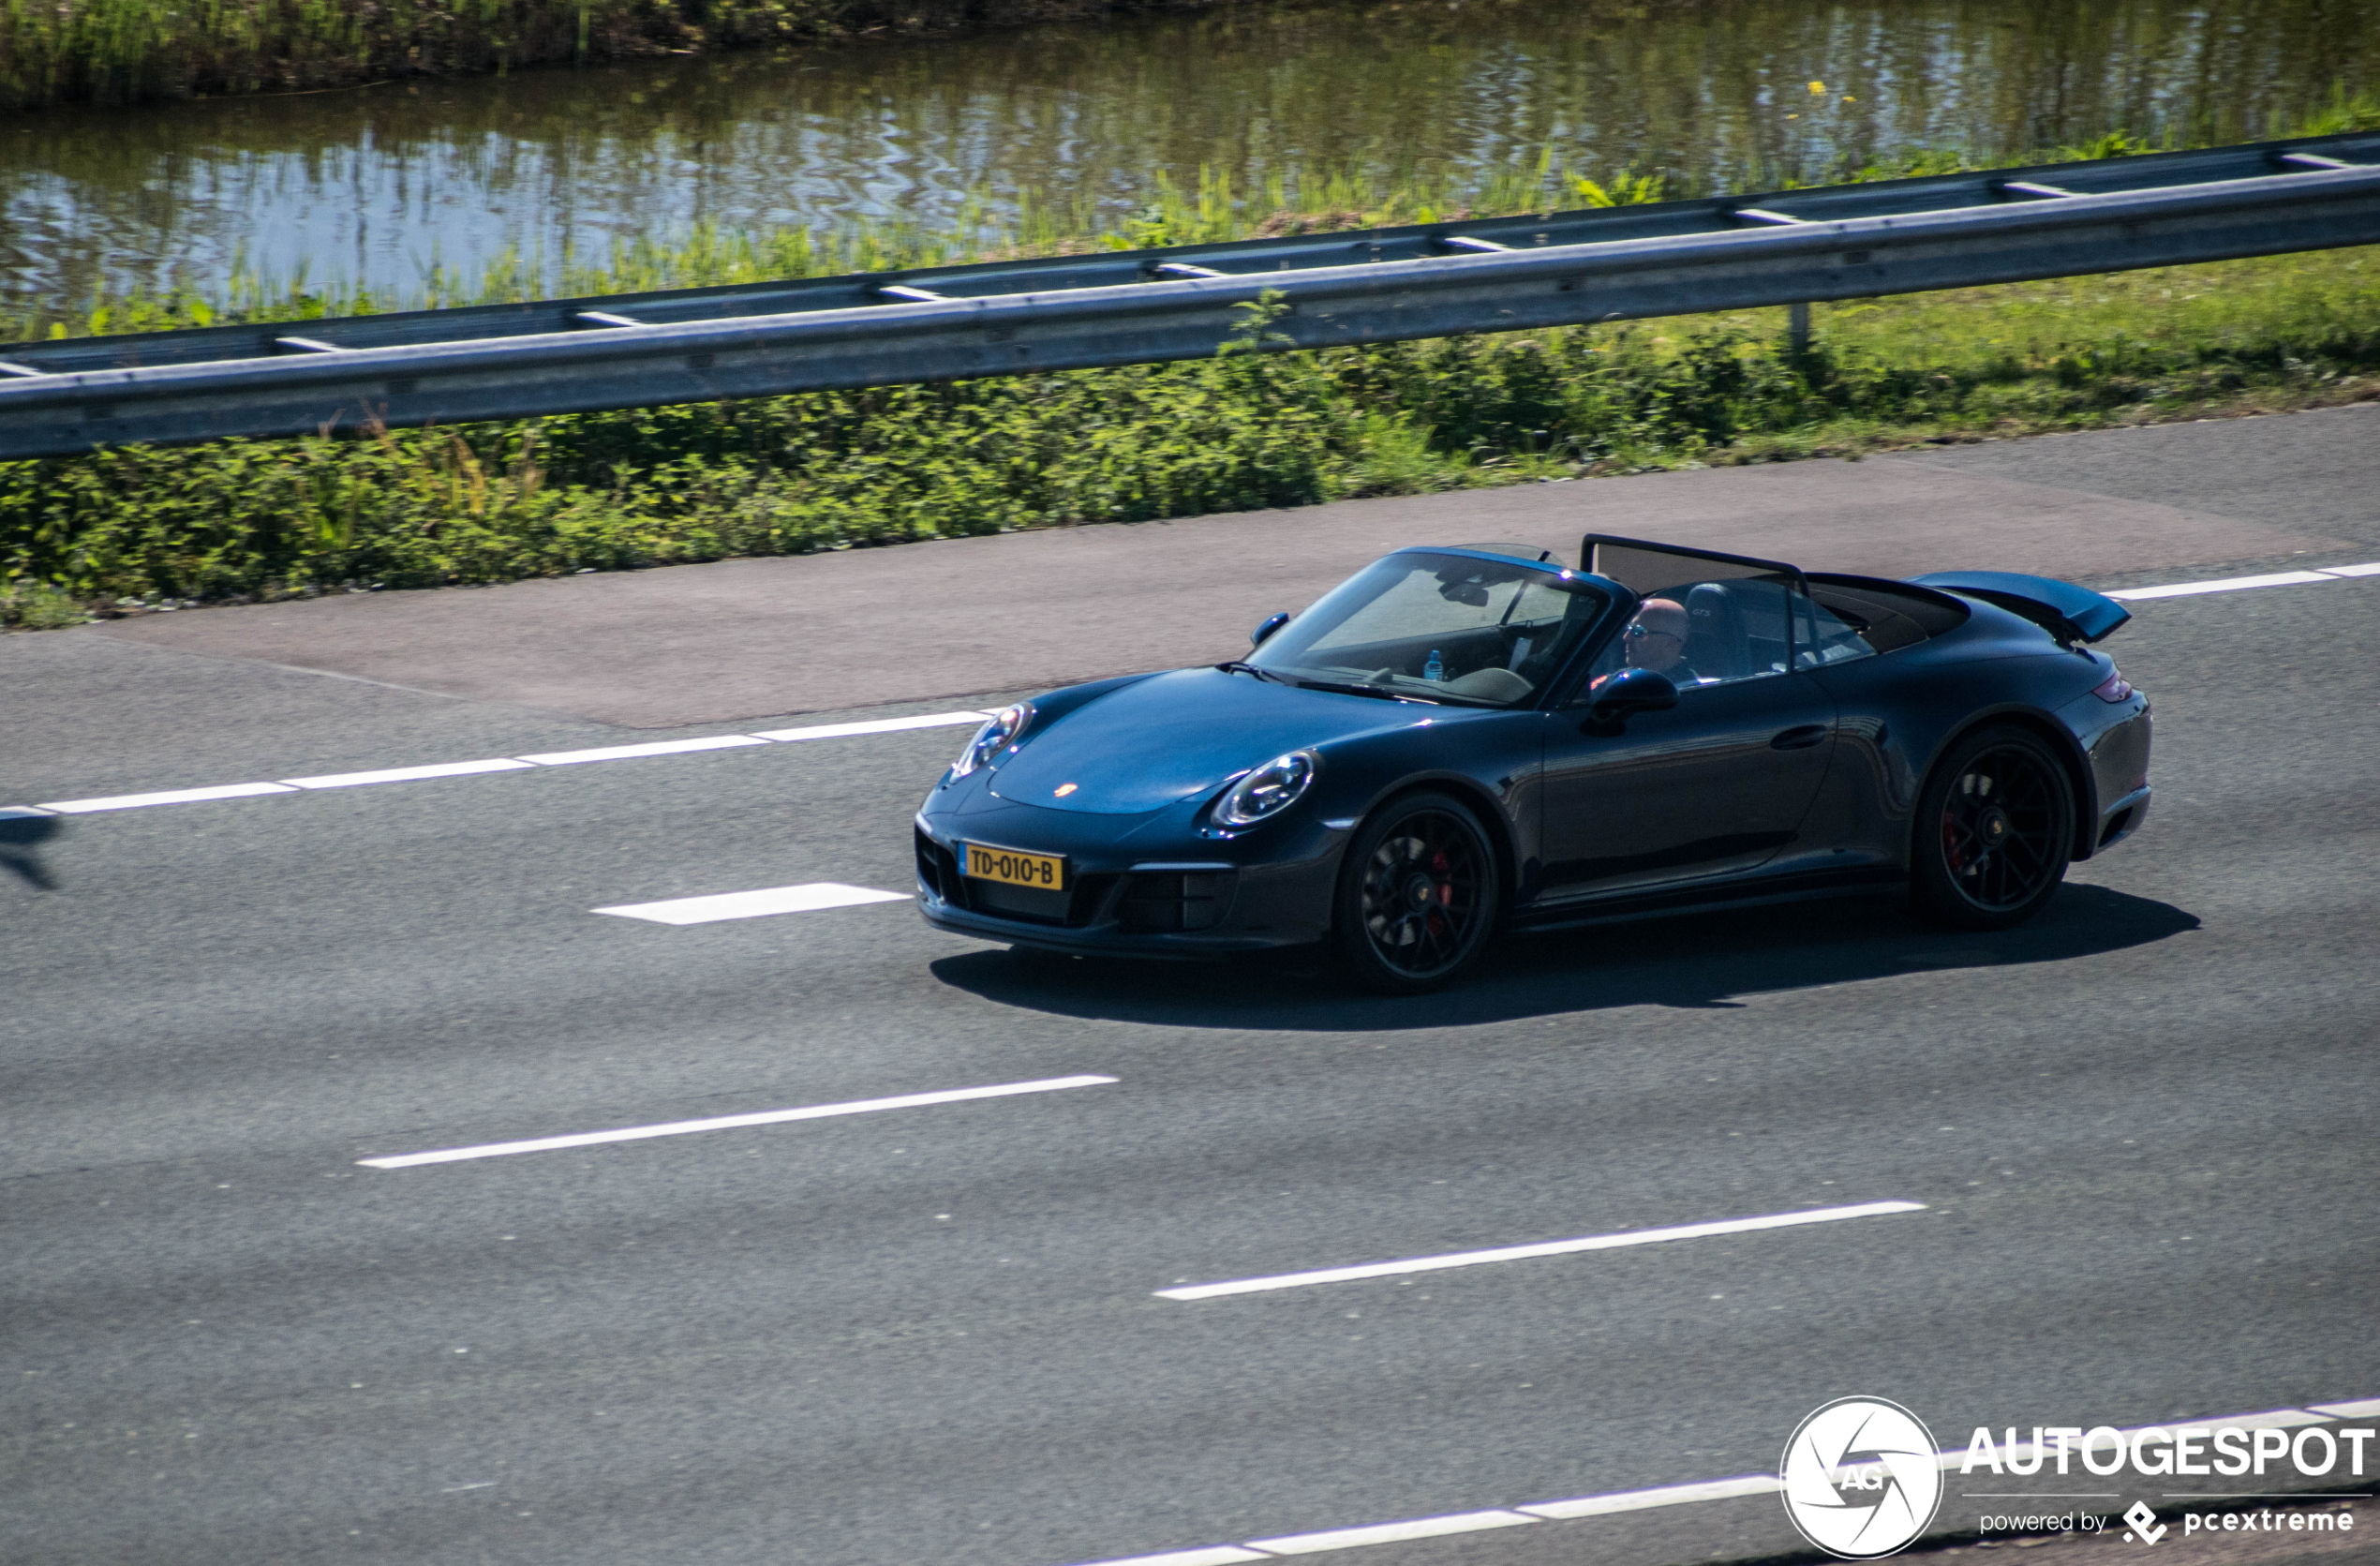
(1694, 962)
(19, 835)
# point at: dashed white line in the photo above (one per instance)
(410, 774)
(658, 747)
(729, 1122)
(1549, 1247)
(171, 797)
(807, 898)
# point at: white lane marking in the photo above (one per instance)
(1668, 1495)
(1219, 1555)
(408, 774)
(1388, 1533)
(882, 725)
(804, 899)
(2228, 584)
(627, 753)
(1671, 1495)
(171, 796)
(890, 725)
(23, 812)
(1549, 1247)
(730, 1122)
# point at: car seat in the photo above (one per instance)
(1717, 644)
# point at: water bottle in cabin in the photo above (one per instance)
(1436, 667)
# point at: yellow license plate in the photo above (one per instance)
(1044, 872)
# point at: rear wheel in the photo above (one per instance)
(1417, 895)
(1995, 828)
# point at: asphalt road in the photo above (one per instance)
(2141, 1128)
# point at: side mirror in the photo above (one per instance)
(1257, 637)
(1629, 693)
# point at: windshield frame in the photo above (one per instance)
(1618, 603)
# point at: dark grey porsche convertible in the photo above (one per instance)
(1458, 739)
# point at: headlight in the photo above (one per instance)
(1009, 724)
(1269, 790)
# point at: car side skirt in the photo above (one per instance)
(1753, 892)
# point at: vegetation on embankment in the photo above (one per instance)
(489, 503)
(129, 51)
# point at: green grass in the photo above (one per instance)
(489, 503)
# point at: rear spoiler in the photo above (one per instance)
(2067, 612)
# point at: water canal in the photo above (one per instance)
(376, 185)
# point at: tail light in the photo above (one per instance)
(2114, 688)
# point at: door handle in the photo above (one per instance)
(1800, 738)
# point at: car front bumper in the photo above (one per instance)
(1148, 886)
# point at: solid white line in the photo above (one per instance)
(1668, 1495)
(1220, 1555)
(893, 725)
(730, 1122)
(172, 796)
(882, 725)
(659, 747)
(804, 899)
(1549, 1247)
(2229, 584)
(408, 774)
(1671, 1495)
(1387, 1533)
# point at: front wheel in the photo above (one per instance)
(1995, 828)
(1417, 895)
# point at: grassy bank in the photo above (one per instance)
(130, 50)
(480, 503)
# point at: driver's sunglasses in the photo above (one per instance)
(1636, 633)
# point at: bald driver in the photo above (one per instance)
(1654, 640)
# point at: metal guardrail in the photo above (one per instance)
(1120, 307)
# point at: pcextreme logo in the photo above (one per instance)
(1860, 1478)
(2145, 1529)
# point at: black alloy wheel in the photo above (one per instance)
(1995, 828)
(1417, 895)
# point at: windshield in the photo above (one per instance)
(1432, 627)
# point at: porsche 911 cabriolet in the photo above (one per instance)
(1458, 741)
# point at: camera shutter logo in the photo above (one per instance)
(1861, 1479)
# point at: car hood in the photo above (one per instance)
(1176, 736)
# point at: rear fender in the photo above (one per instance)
(2061, 745)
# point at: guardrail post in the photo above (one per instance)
(1797, 329)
